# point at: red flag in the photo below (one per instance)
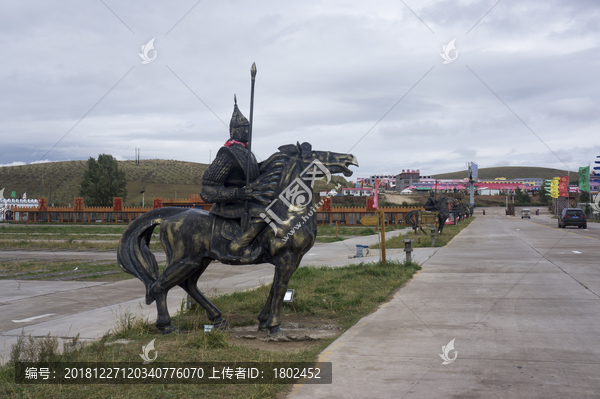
(376, 199)
(563, 186)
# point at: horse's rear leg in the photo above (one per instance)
(190, 285)
(174, 274)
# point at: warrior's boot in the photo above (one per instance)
(240, 246)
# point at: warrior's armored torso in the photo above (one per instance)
(223, 179)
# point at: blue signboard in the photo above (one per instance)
(473, 171)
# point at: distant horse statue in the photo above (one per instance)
(411, 219)
(193, 238)
(440, 206)
(462, 210)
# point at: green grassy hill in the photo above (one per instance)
(509, 172)
(59, 181)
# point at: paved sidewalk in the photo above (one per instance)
(520, 299)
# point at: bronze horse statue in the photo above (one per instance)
(462, 210)
(191, 237)
(441, 206)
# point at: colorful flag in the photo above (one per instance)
(554, 187)
(376, 199)
(13, 194)
(563, 186)
(584, 179)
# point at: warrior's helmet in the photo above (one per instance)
(239, 125)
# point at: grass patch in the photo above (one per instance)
(329, 239)
(342, 295)
(64, 237)
(448, 234)
(130, 325)
(60, 236)
(49, 269)
(63, 228)
(68, 244)
(106, 237)
(327, 230)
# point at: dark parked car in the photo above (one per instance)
(572, 217)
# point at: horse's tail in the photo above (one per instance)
(134, 255)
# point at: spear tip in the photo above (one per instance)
(253, 69)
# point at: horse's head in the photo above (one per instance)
(333, 161)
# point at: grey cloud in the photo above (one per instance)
(327, 73)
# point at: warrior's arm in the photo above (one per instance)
(213, 188)
(214, 194)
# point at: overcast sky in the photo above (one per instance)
(347, 76)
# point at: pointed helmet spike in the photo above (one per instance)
(234, 99)
(238, 126)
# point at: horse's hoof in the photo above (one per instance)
(168, 329)
(277, 335)
(263, 327)
(274, 330)
(221, 325)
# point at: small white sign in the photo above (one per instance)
(289, 296)
(208, 328)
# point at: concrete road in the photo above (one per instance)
(66, 308)
(520, 299)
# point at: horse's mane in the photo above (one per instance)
(272, 173)
(275, 172)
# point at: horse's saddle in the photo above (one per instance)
(225, 231)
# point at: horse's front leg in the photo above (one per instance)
(264, 314)
(285, 267)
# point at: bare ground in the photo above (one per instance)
(411, 198)
(302, 333)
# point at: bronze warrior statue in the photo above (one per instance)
(224, 181)
(193, 238)
(430, 203)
